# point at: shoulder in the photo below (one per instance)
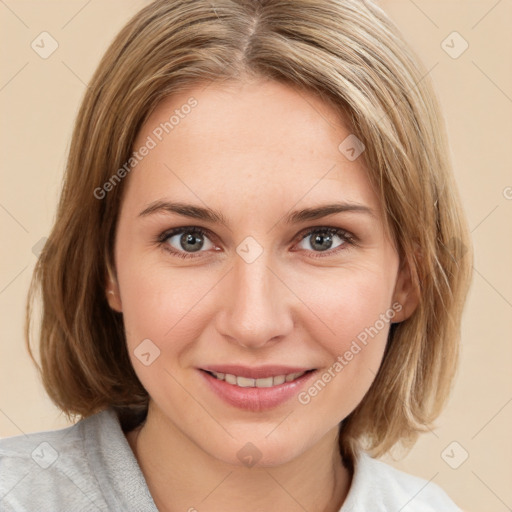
(379, 487)
(51, 470)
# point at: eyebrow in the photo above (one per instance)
(214, 216)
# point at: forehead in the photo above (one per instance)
(248, 138)
(263, 113)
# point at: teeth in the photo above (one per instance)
(264, 383)
(244, 382)
(280, 379)
(267, 382)
(293, 376)
(230, 379)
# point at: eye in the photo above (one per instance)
(183, 242)
(326, 239)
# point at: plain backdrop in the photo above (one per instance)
(469, 453)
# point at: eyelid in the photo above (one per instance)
(162, 237)
(322, 229)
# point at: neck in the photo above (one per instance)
(183, 477)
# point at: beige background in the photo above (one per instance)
(39, 99)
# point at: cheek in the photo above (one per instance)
(347, 301)
(160, 305)
(160, 302)
(354, 314)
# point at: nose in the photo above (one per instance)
(256, 307)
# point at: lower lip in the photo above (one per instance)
(256, 399)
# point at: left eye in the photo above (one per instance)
(322, 240)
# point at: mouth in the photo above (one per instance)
(256, 389)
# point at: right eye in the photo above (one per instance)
(185, 241)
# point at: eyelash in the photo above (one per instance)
(347, 237)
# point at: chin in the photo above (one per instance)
(258, 451)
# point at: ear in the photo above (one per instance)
(112, 291)
(406, 293)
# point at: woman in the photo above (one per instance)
(256, 276)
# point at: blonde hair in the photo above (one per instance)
(348, 53)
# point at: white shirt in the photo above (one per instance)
(91, 467)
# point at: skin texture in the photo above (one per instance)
(254, 151)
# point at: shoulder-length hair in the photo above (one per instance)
(351, 55)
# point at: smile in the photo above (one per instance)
(245, 382)
(256, 389)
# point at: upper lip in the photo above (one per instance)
(255, 372)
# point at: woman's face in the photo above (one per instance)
(249, 244)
